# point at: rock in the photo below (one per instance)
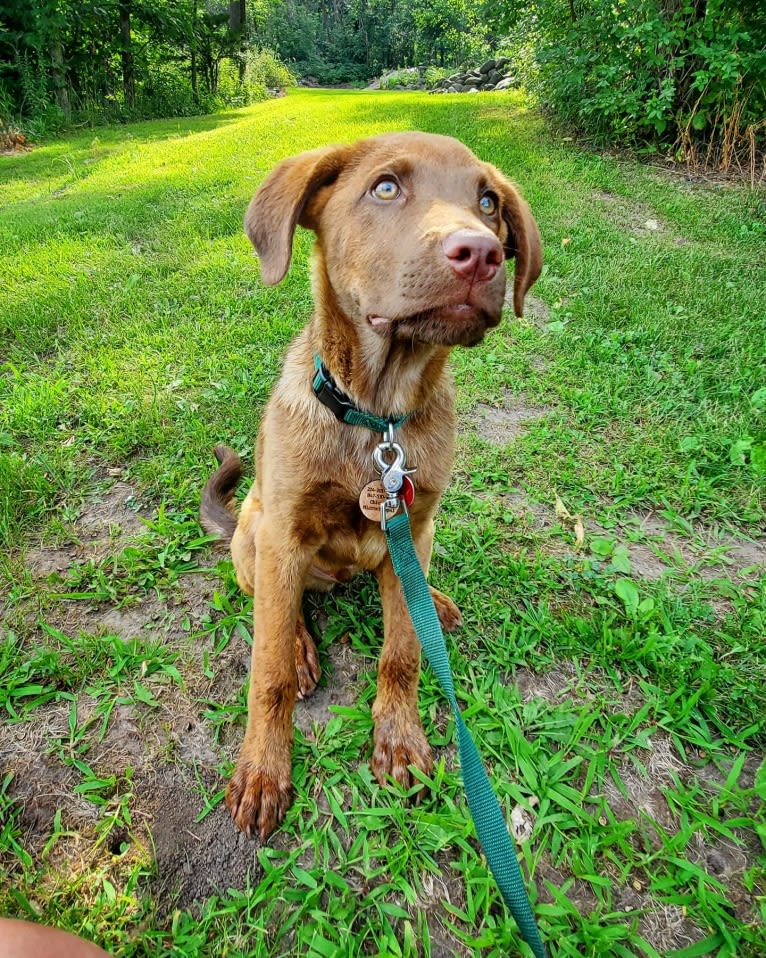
(491, 75)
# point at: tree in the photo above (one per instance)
(126, 54)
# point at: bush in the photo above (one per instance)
(164, 91)
(671, 74)
(434, 74)
(406, 79)
(265, 67)
(164, 94)
(331, 74)
(232, 92)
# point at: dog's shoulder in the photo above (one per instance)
(293, 393)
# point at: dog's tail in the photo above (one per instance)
(217, 515)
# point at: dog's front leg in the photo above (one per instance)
(260, 790)
(399, 738)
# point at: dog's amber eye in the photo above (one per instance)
(386, 190)
(488, 204)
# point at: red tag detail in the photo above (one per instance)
(407, 492)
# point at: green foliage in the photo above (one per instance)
(265, 67)
(65, 60)
(353, 40)
(406, 79)
(689, 75)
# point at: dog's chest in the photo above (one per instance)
(351, 552)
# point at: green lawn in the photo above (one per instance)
(617, 691)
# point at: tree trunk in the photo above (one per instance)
(58, 76)
(237, 17)
(193, 50)
(126, 56)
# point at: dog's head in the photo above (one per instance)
(412, 234)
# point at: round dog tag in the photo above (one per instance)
(372, 498)
(407, 492)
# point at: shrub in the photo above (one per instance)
(433, 74)
(406, 79)
(687, 75)
(331, 74)
(265, 67)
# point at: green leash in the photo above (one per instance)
(490, 824)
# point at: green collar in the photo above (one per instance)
(344, 408)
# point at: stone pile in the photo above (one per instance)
(495, 74)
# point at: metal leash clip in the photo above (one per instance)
(390, 461)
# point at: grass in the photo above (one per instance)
(620, 710)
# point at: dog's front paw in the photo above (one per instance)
(258, 798)
(398, 744)
(449, 614)
(307, 665)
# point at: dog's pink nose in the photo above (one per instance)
(473, 255)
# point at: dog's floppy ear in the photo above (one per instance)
(284, 200)
(523, 242)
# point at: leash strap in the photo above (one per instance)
(488, 818)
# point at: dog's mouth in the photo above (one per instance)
(456, 324)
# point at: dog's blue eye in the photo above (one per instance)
(386, 190)
(488, 204)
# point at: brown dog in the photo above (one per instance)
(412, 233)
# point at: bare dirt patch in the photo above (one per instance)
(41, 782)
(194, 859)
(536, 311)
(107, 524)
(338, 686)
(506, 422)
(637, 790)
(655, 549)
(745, 556)
(711, 553)
(634, 217)
(116, 510)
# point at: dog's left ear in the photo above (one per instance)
(523, 242)
(287, 197)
